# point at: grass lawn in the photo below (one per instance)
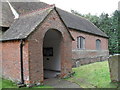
(9, 84)
(94, 75)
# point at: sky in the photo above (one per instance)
(95, 7)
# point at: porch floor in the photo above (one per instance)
(50, 74)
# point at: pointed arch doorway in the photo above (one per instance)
(52, 53)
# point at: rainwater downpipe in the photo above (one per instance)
(21, 61)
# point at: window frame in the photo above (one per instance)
(80, 42)
(98, 44)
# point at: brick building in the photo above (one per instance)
(45, 39)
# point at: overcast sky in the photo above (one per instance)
(95, 7)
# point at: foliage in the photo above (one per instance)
(94, 75)
(110, 24)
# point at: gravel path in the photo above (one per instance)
(60, 83)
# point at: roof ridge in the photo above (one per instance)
(37, 10)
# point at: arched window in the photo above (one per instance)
(98, 44)
(80, 42)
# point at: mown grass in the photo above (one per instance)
(9, 84)
(94, 75)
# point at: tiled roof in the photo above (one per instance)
(79, 23)
(23, 26)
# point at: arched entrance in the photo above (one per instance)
(52, 53)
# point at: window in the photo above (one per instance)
(98, 44)
(80, 42)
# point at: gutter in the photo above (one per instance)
(89, 33)
(21, 61)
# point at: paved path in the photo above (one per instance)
(60, 83)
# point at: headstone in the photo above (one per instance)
(77, 63)
(114, 66)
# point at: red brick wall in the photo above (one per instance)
(36, 48)
(11, 60)
(90, 40)
(26, 61)
(89, 54)
(0, 58)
